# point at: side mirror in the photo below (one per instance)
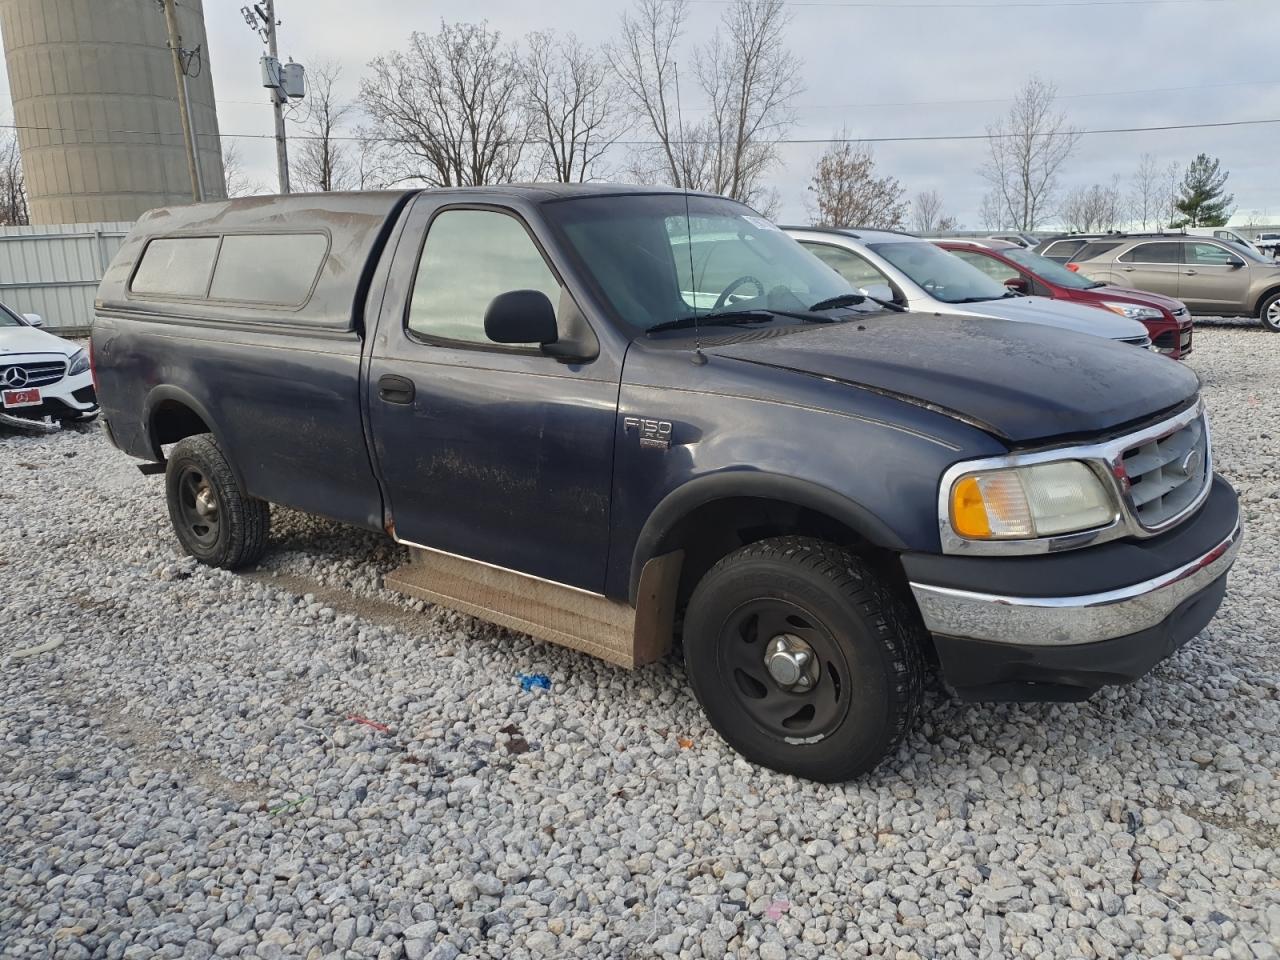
(34, 319)
(878, 291)
(1235, 263)
(1017, 283)
(521, 316)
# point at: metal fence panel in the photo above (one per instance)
(54, 269)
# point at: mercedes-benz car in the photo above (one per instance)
(41, 375)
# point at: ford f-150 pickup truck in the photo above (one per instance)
(614, 416)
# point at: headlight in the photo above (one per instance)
(78, 363)
(1023, 503)
(1132, 310)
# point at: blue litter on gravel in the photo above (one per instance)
(528, 681)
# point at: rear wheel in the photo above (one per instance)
(803, 659)
(1269, 312)
(216, 521)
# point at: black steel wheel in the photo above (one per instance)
(787, 671)
(215, 520)
(803, 658)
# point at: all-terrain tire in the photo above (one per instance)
(215, 520)
(860, 702)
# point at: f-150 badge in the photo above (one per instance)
(653, 433)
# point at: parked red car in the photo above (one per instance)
(1166, 319)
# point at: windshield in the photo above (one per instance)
(653, 265)
(943, 276)
(8, 318)
(1049, 269)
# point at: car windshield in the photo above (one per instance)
(8, 318)
(1049, 270)
(943, 276)
(653, 264)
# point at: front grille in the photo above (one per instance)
(1138, 341)
(1167, 475)
(1180, 313)
(38, 373)
(1167, 340)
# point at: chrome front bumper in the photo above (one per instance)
(1072, 620)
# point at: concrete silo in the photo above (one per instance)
(96, 105)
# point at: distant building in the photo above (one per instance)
(96, 107)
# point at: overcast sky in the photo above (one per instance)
(896, 69)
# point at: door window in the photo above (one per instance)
(849, 265)
(1209, 255)
(992, 267)
(470, 257)
(1162, 252)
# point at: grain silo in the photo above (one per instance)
(96, 106)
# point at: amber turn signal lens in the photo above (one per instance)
(968, 512)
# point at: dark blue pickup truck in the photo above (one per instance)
(614, 416)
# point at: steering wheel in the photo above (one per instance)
(745, 279)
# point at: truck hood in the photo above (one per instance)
(23, 340)
(1060, 313)
(1018, 381)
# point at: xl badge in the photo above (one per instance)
(653, 433)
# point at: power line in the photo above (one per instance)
(1004, 5)
(1059, 96)
(930, 138)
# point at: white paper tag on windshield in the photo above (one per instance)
(760, 222)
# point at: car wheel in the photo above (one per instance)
(216, 521)
(803, 659)
(1269, 312)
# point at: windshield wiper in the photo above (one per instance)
(852, 300)
(729, 318)
(732, 318)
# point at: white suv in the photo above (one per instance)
(919, 276)
(42, 375)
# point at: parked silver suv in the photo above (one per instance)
(1210, 276)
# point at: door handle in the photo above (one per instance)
(1188, 273)
(1127, 269)
(393, 389)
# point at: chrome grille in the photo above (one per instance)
(1167, 475)
(38, 374)
(1138, 341)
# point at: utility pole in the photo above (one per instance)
(283, 82)
(184, 102)
(277, 98)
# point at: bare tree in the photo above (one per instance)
(750, 80)
(239, 183)
(1093, 209)
(927, 215)
(645, 63)
(1146, 202)
(1026, 150)
(992, 212)
(322, 160)
(574, 109)
(13, 185)
(452, 105)
(847, 192)
(747, 77)
(1169, 194)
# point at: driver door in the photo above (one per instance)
(493, 452)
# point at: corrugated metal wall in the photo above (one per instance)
(54, 269)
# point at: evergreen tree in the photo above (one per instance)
(1203, 201)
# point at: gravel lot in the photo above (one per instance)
(295, 762)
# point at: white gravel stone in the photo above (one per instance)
(181, 777)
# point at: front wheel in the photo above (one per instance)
(803, 659)
(216, 521)
(1269, 312)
